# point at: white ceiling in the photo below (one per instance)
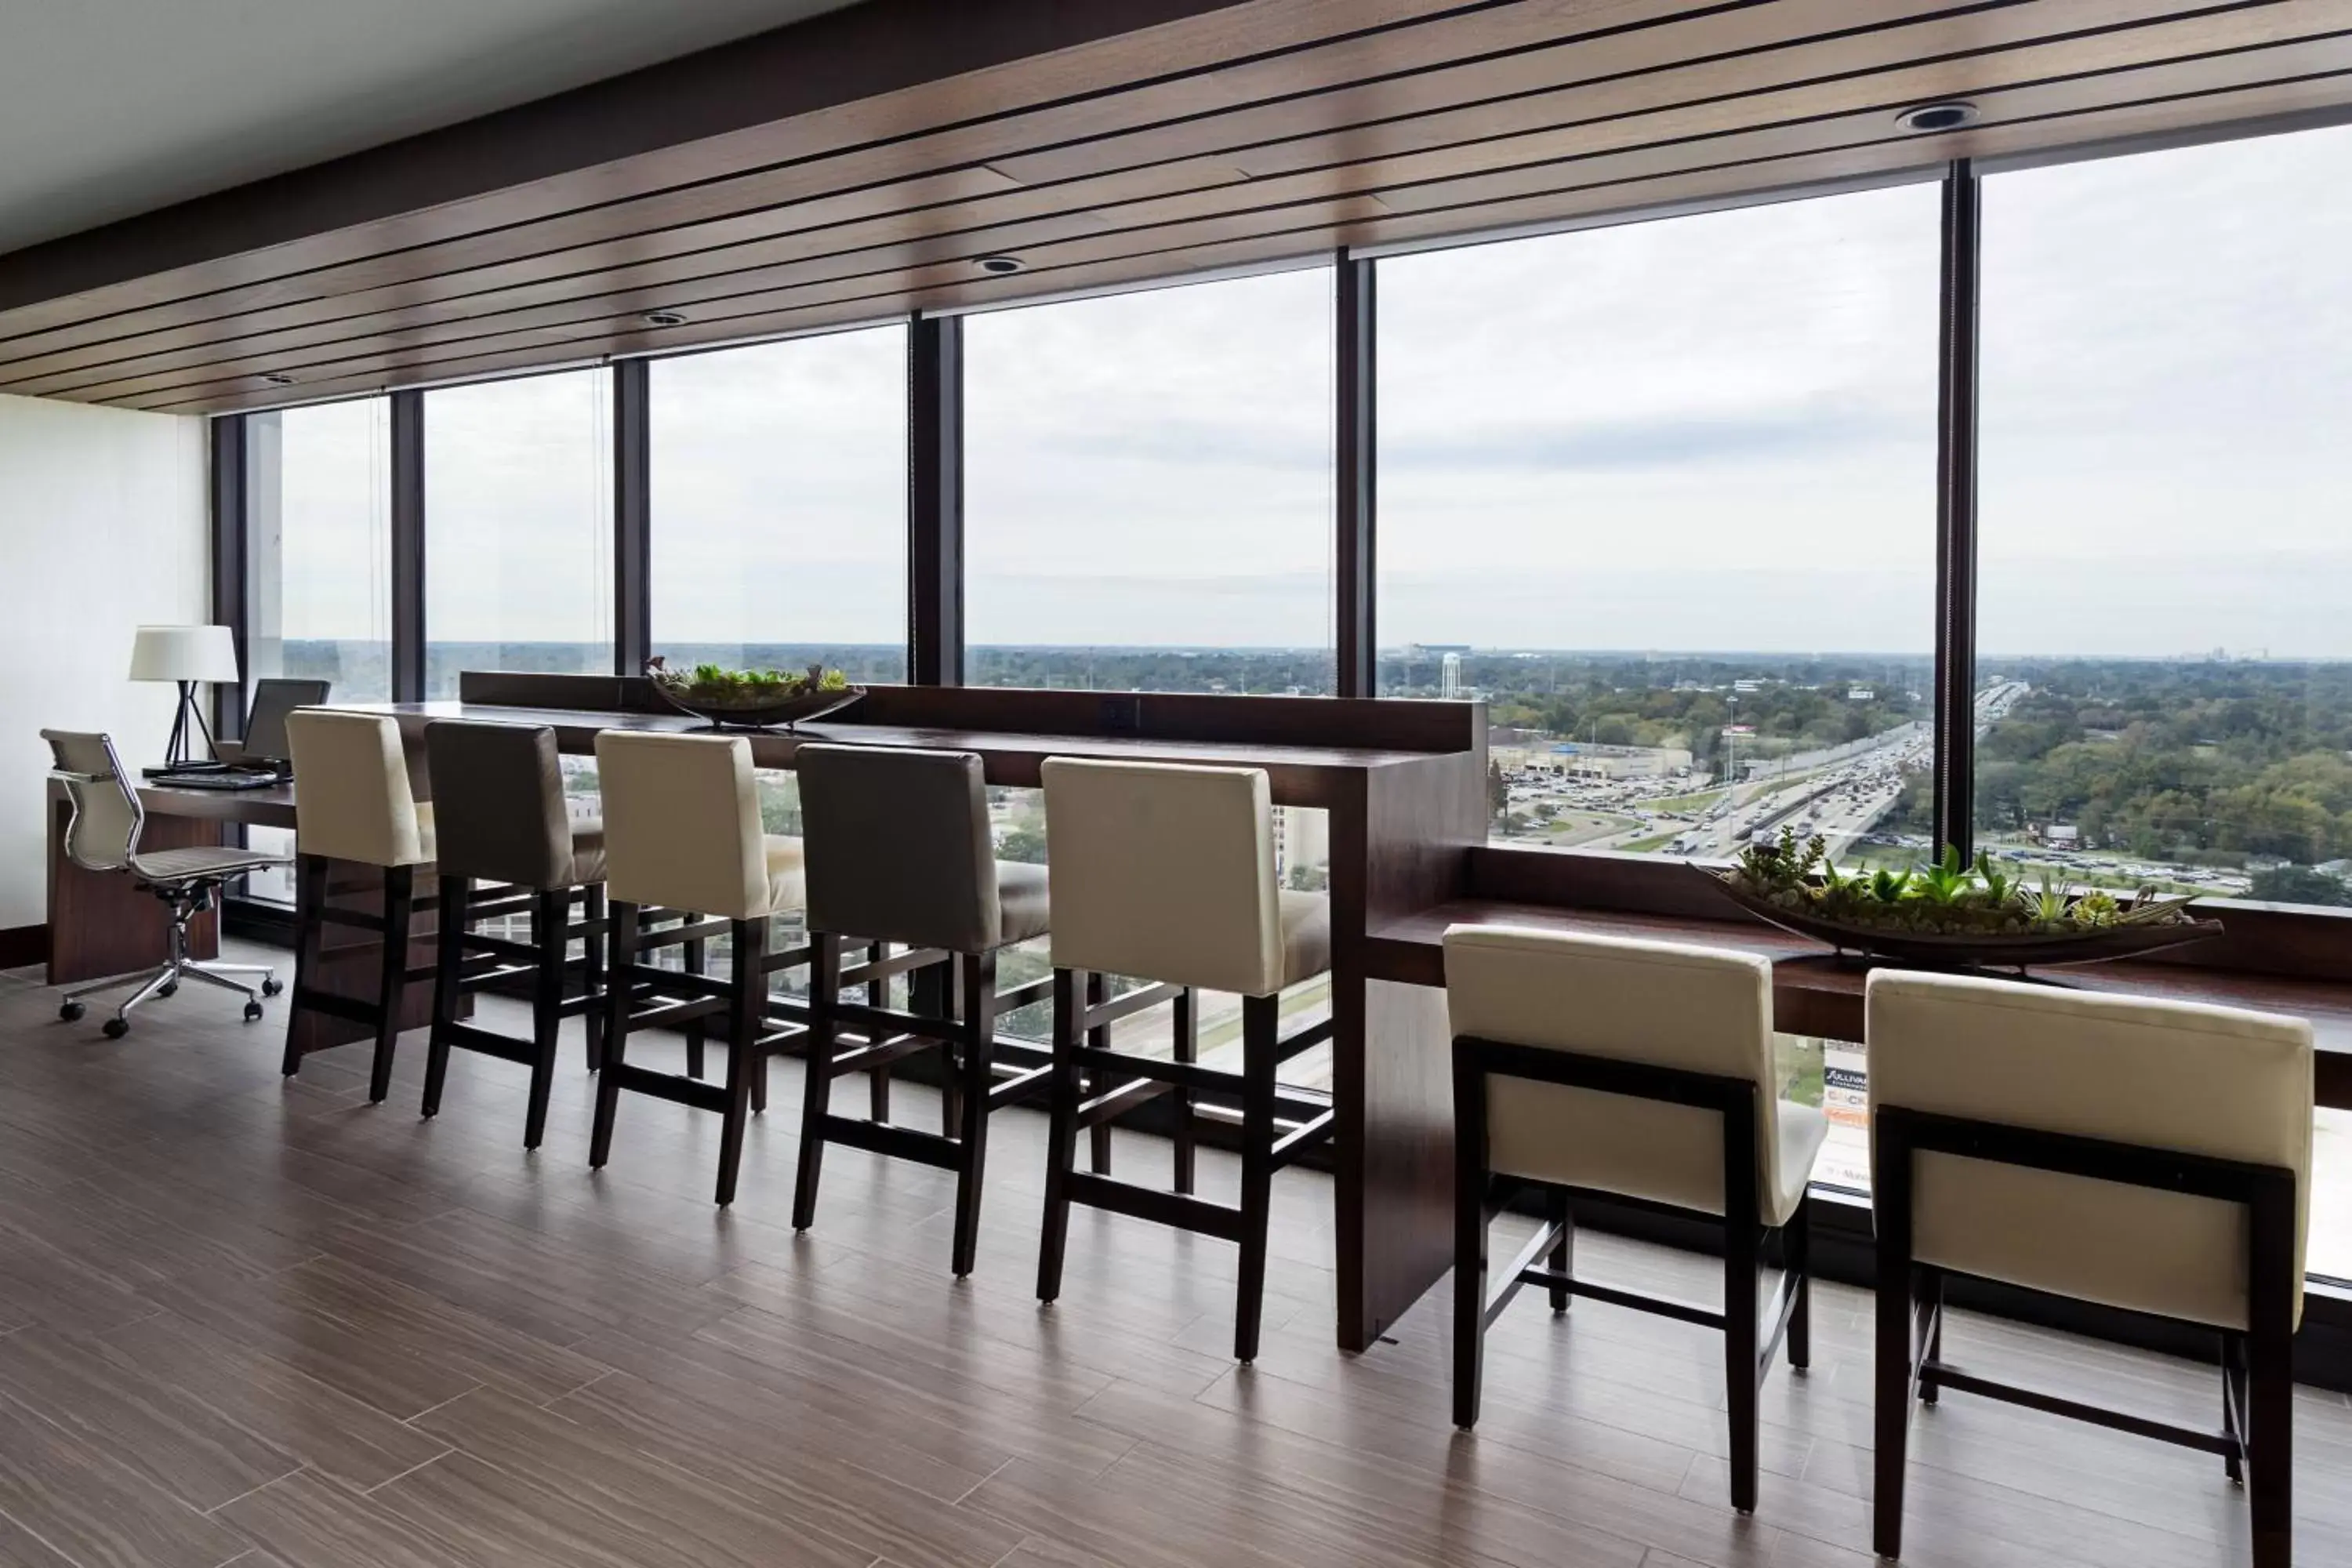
(110, 108)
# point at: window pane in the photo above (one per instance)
(2163, 560)
(519, 527)
(1664, 495)
(1148, 490)
(779, 505)
(318, 567)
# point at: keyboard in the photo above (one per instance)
(228, 778)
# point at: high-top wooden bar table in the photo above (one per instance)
(1405, 786)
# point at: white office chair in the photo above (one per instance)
(103, 836)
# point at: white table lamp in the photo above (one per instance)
(185, 656)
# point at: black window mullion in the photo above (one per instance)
(1956, 515)
(1357, 340)
(232, 525)
(632, 516)
(408, 547)
(935, 651)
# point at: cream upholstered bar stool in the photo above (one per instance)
(1167, 873)
(2138, 1154)
(1590, 1065)
(500, 818)
(682, 833)
(353, 802)
(899, 853)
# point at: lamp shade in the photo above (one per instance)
(185, 653)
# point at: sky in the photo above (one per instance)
(1714, 432)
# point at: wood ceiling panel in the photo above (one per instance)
(1484, 204)
(1606, 153)
(1731, 93)
(1432, 121)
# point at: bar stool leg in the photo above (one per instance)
(1471, 1182)
(1261, 1022)
(1061, 1136)
(1563, 1251)
(1098, 1039)
(1740, 1261)
(878, 994)
(979, 1075)
(551, 914)
(1797, 1257)
(619, 983)
(1187, 1049)
(449, 968)
(1929, 1292)
(592, 970)
(399, 899)
(310, 925)
(746, 1057)
(825, 988)
(697, 961)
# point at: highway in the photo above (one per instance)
(1841, 800)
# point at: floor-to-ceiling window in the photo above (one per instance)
(519, 527)
(319, 546)
(1149, 489)
(1663, 494)
(2164, 663)
(318, 564)
(778, 505)
(1149, 507)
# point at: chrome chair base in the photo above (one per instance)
(164, 979)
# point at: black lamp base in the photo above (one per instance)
(186, 725)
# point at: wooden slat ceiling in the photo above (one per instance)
(1210, 137)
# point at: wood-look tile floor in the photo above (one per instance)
(253, 1321)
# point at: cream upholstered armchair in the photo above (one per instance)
(1167, 873)
(2138, 1154)
(353, 804)
(1642, 1069)
(682, 837)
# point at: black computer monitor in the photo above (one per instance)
(265, 727)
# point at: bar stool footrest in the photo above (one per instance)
(1180, 1210)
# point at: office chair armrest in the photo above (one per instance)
(62, 776)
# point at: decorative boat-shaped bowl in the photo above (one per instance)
(765, 714)
(1969, 949)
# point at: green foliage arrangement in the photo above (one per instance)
(1946, 897)
(711, 686)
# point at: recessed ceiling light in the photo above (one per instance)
(1001, 266)
(664, 318)
(277, 378)
(1949, 115)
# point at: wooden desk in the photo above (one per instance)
(1815, 993)
(1405, 786)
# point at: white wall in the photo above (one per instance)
(102, 527)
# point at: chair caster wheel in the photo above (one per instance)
(71, 1012)
(171, 990)
(115, 1028)
(271, 985)
(253, 1012)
